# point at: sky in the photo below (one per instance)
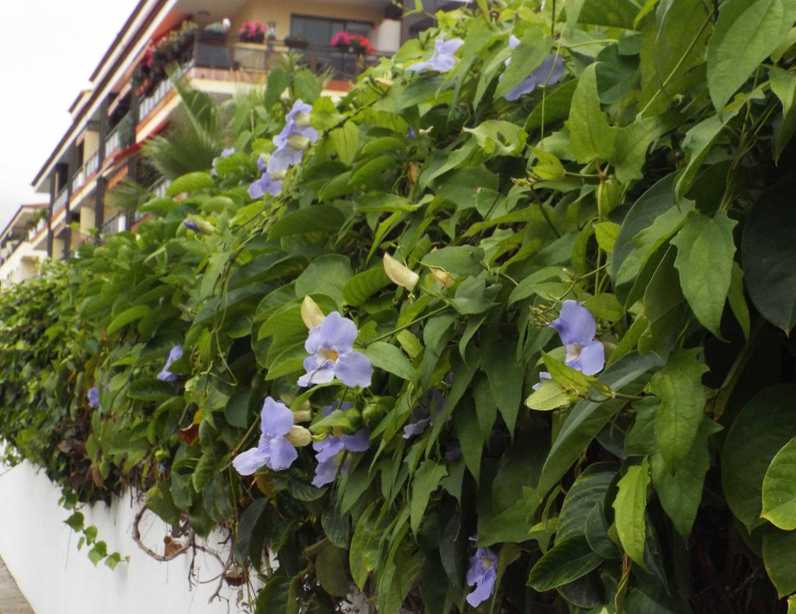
(49, 50)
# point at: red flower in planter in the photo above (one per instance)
(341, 40)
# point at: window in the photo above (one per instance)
(318, 31)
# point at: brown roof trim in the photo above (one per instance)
(98, 88)
(119, 36)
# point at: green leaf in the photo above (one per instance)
(463, 260)
(75, 521)
(364, 285)
(274, 596)
(779, 557)
(769, 252)
(330, 566)
(390, 358)
(505, 375)
(278, 81)
(190, 183)
(591, 137)
(586, 493)
(346, 142)
(783, 84)
(363, 557)
(336, 526)
(588, 418)
(548, 396)
(128, 316)
(326, 275)
(323, 219)
(425, 482)
(679, 387)
(471, 439)
(705, 252)
(612, 13)
(371, 173)
(697, 144)
(632, 143)
(565, 562)
(150, 389)
(679, 486)
(779, 489)
(499, 138)
(630, 509)
(738, 300)
(548, 166)
(98, 552)
(247, 526)
(763, 426)
(747, 32)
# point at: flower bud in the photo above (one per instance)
(199, 226)
(311, 313)
(443, 278)
(299, 142)
(302, 119)
(299, 436)
(303, 415)
(400, 274)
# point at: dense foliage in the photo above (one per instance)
(649, 183)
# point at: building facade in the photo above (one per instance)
(19, 259)
(131, 98)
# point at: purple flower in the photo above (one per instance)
(549, 72)
(443, 58)
(266, 184)
(576, 327)
(165, 374)
(482, 574)
(413, 429)
(411, 133)
(93, 397)
(294, 138)
(273, 450)
(330, 348)
(191, 225)
(329, 453)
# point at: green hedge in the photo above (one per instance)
(580, 386)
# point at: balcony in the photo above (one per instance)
(121, 137)
(114, 225)
(86, 172)
(60, 201)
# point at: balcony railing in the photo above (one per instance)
(160, 92)
(120, 137)
(60, 201)
(114, 225)
(86, 172)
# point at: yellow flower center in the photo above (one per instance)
(328, 354)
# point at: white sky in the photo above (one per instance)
(48, 50)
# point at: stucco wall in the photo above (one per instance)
(280, 11)
(41, 553)
(21, 265)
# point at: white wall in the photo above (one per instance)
(23, 264)
(41, 553)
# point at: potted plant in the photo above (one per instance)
(296, 41)
(341, 41)
(252, 32)
(360, 45)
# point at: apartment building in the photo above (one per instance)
(19, 260)
(221, 47)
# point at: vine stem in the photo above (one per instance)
(677, 66)
(412, 323)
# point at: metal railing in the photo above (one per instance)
(162, 90)
(120, 137)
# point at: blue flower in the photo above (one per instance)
(549, 72)
(413, 429)
(266, 184)
(93, 397)
(577, 328)
(443, 58)
(482, 575)
(330, 348)
(191, 225)
(165, 374)
(293, 140)
(274, 449)
(329, 454)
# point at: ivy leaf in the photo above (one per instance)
(679, 387)
(746, 34)
(630, 508)
(779, 557)
(705, 252)
(779, 489)
(761, 429)
(769, 252)
(591, 137)
(679, 486)
(565, 562)
(426, 481)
